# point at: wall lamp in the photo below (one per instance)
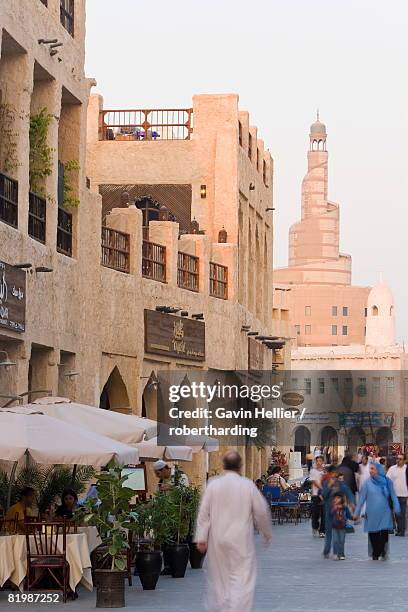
(245, 328)
(253, 333)
(6, 363)
(269, 208)
(203, 191)
(47, 41)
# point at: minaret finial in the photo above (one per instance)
(317, 115)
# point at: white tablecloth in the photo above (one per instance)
(77, 556)
(6, 557)
(92, 535)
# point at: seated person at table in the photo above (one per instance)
(276, 480)
(22, 509)
(69, 503)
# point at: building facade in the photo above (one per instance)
(326, 309)
(166, 211)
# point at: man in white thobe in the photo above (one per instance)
(229, 510)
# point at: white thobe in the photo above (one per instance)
(363, 474)
(230, 508)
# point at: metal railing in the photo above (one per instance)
(218, 281)
(8, 200)
(148, 124)
(154, 261)
(187, 271)
(115, 249)
(37, 212)
(64, 232)
(67, 15)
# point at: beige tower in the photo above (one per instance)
(380, 325)
(325, 308)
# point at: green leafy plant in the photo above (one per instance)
(70, 200)
(41, 154)
(48, 482)
(110, 513)
(8, 142)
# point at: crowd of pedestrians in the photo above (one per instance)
(355, 490)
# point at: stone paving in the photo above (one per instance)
(292, 577)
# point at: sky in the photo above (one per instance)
(285, 59)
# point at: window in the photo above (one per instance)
(335, 383)
(297, 330)
(240, 133)
(362, 387)
(344, 330)
(308, 329)
(334, 330)
(334, 311)
(295, 383)
(250, 146)
(321, 385)
(374, 311)
(376, 384)
(389, 382)
(67, 15)
(345, 311)
(308, 311)
(365, 312)
(257, 159)
(308, 386)
(348, 385)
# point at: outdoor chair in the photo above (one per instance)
(290, 507)
(272, 496)
(46, 556)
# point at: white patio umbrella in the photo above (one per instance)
(50, 441)
(150, 449)
(126, 428)
(27, 431)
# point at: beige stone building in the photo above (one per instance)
(175, 213)
(326, 309)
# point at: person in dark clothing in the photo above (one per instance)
(69, 502)
(349, 468)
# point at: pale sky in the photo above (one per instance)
(284, 58)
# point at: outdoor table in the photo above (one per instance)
(77, 557)
(6, 557)
(92, 536)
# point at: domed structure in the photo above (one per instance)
(318, 135)
(380, 323)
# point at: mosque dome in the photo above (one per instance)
(318, 128)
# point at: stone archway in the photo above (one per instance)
(302, 441)
(114, 394)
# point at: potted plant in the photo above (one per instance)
(174, 508)
(150, 527)
(111, 515)
(193, 502)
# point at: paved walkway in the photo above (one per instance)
(292, 577)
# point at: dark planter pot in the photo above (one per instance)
(110, 588)
(196, 557)
(178, 558)
(148, 565)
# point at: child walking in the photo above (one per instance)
(340, 515)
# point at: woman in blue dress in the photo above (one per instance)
(379, 496)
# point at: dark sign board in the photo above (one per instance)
(174, 336)
(12, 297)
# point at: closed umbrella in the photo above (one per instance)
(126, 428)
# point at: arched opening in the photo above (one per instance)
(302, 441)
(356, 437)
(391, 311)
(329, 443)
(374, 311)
(383, 439)
(149, 398)
(114, 395)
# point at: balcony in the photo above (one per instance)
(64, 232)
(115, 250)
(218, 281)
(150, 124)
(8, 200)
(37, 217)
(154, 261)
(187, 271)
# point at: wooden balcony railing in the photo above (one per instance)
(154, 261)
(37, 213)
(8, 200)
(115, 249)
(218, 281)
(64, 232)
(67, 15)
(149, 124)
(187, 271)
